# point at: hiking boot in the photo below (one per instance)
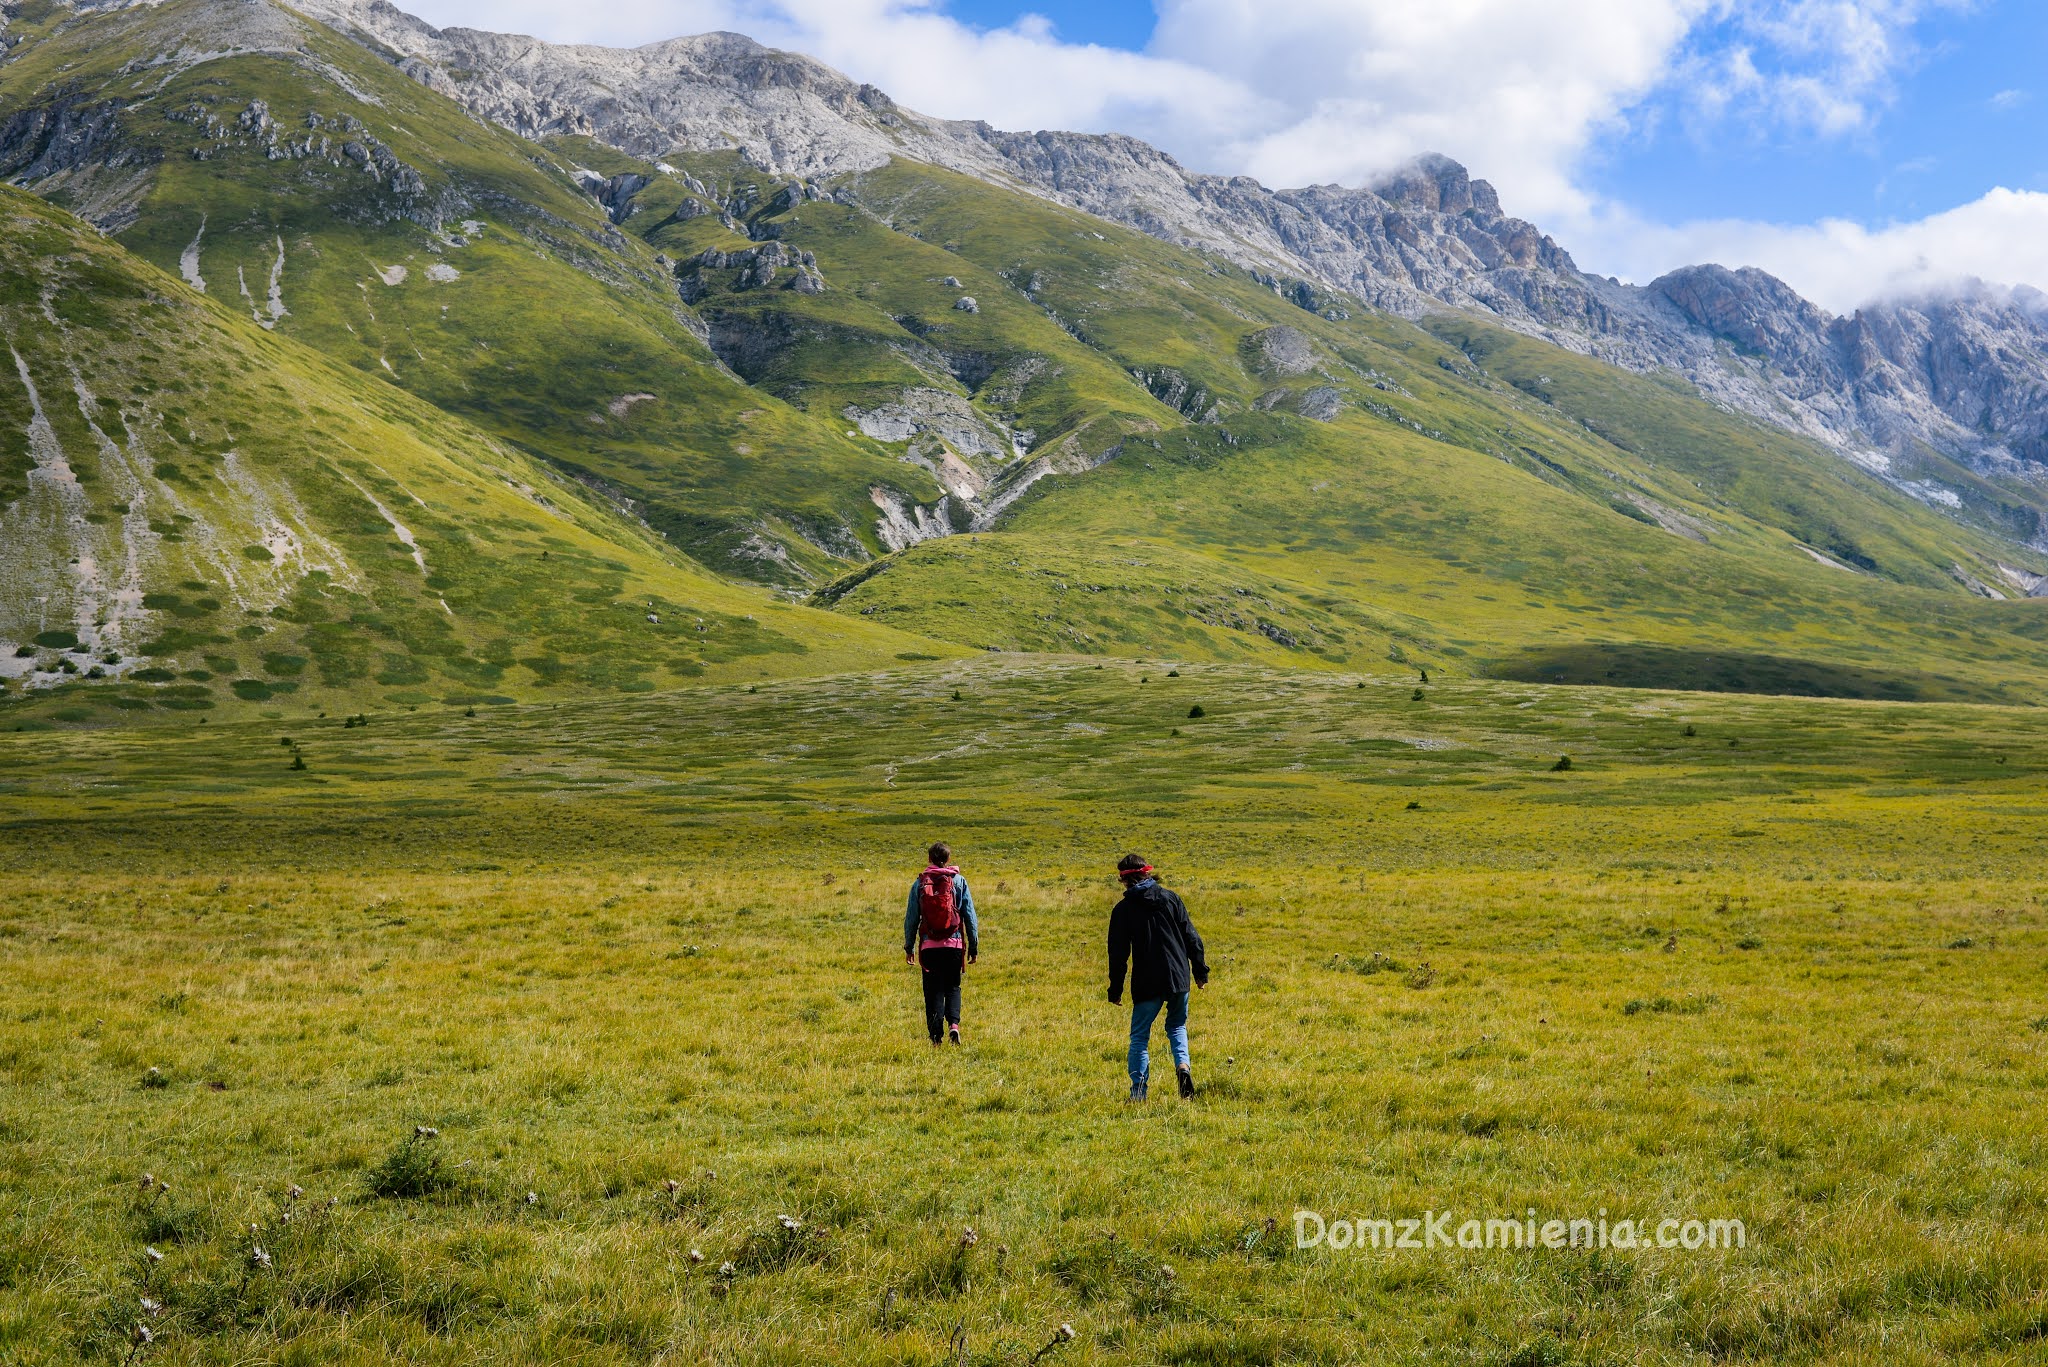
(953, 1033)
(1137, 1091)
(1187, 1083)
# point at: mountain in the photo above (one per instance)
(753, 322)
(1946, 397)
(196, 512)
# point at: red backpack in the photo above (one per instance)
(938, 906)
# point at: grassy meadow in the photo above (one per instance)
(1771, 959)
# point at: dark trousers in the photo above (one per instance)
(941, 988)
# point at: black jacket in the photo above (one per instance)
(1150, 930)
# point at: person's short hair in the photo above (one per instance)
(941, 854)
(1130, 862)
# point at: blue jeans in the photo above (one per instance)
(1142, 1016)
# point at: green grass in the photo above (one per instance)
(603, 948)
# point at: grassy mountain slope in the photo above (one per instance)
(1516, 526)
(198, 512)
(448, 256)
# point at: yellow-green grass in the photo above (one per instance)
(1786, 968)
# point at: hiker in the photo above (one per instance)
(1150, 929)
(939, 935)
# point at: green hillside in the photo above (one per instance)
(446, 256)
(196, 513)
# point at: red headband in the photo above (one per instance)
(1138, 872)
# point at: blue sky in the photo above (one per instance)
(1857, 148)
(1967, 112)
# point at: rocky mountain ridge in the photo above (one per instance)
(1945, 397)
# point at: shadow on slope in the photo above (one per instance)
(1715, 671)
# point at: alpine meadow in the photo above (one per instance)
(510, 553)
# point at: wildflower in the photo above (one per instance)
(532, 1198)
(1166, 1272)
(285, 1218)
(148, 1180)
(144, 1334)
(969, 1239)
(728, 1271)
(1066, 1332)
(152, 1255)
(424, 1132)
(152, 1308)
(697, 1256)
(790, 1223)
(333, 1201)
(672, 1186)
(295, 1192)
(258, 1257)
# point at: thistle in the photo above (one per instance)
(1063, 1334)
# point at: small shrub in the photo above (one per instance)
(1690, 730)
(413, 1169)
(154, 1080)
(1962, 942)
(1416, 696)
(786, 1243)
(1750, 942)
(1538, 1352)
(1196, 711)
(1413, 807)
(1563, 765)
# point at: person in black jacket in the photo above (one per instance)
(1149, 930)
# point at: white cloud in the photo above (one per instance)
(1514, 88)
(1339, 90)
(1841, 265)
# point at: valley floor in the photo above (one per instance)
(1765, 959)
